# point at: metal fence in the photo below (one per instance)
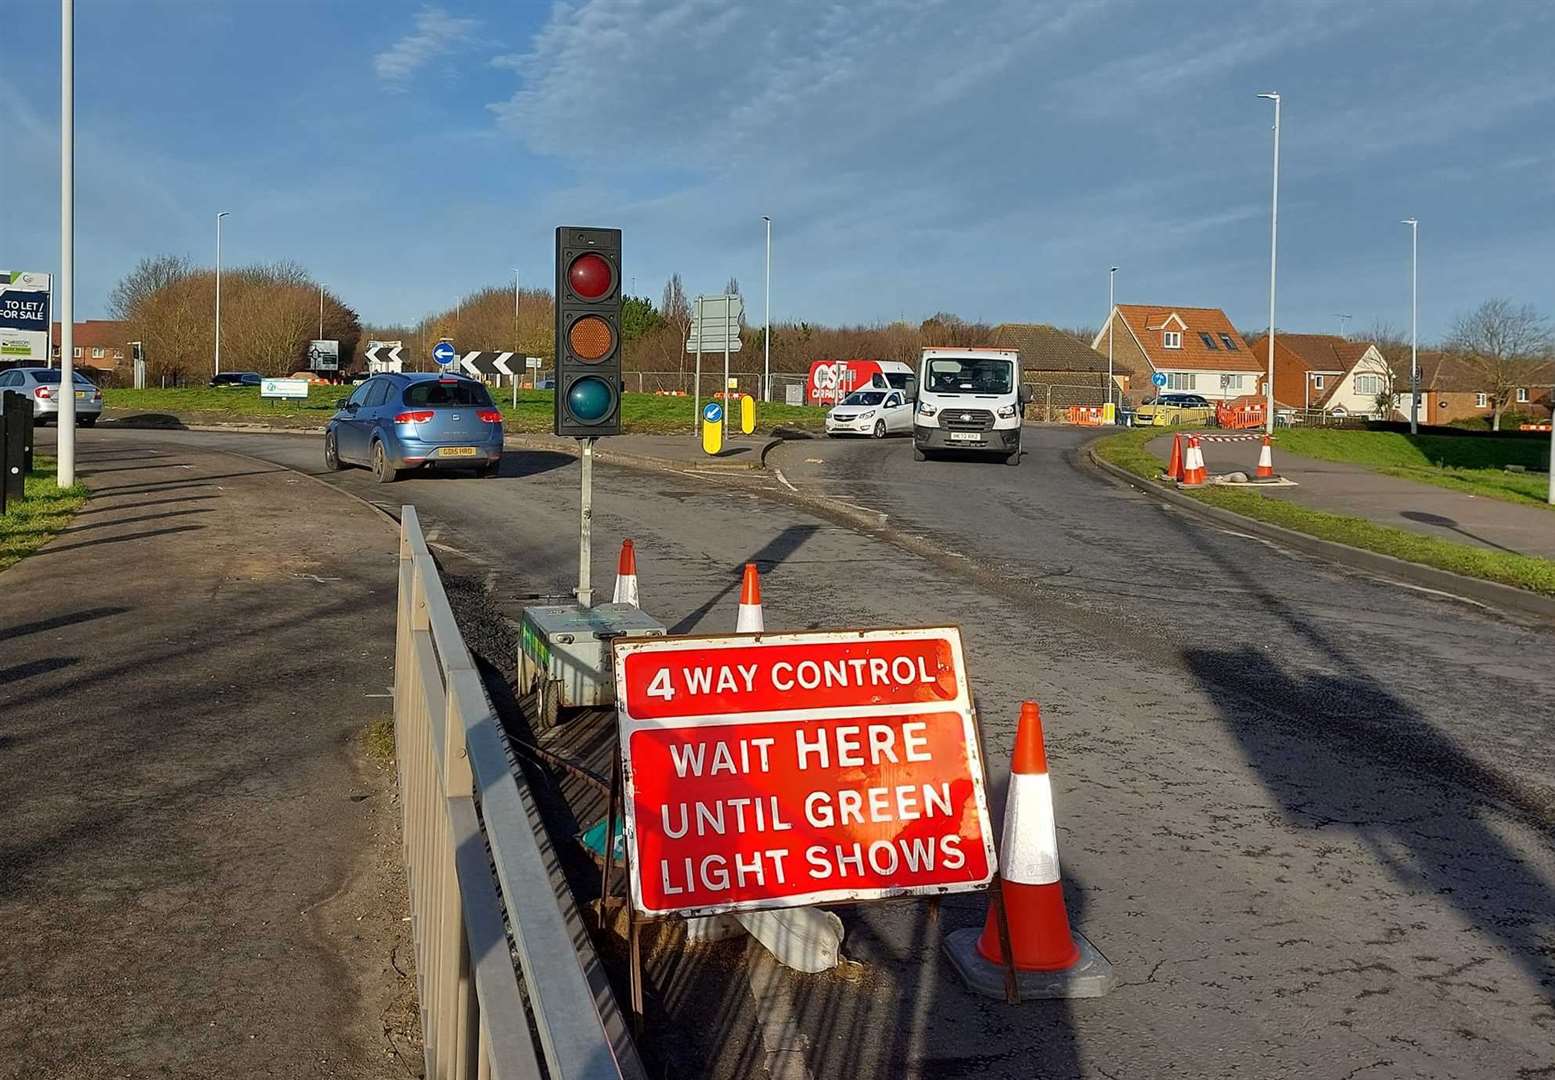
(472, 857)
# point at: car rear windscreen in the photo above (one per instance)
(51, 378)
(446, 393)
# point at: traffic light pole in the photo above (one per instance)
(585, 524)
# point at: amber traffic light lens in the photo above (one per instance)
(590, 276)
(590, 338)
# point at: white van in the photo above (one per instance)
(969, 400)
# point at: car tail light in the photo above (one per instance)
(490, 416)
(42, 393)
(418, 416)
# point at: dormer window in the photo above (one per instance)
(1172, 339)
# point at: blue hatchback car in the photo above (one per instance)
(396, 422)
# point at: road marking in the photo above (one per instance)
(784, 481)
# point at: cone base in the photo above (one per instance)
(1090, 976)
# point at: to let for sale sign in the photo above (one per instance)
(792, 769)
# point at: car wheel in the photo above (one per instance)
(918, 454)
(548, 703)
(1013, 459)
(879, 429)
(489, 469)
(87, 421)
(332, 452)
(383, 472)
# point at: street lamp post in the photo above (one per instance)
(321, 311)
(219, 216)
(1111, 306)
(766, 318)
(1343, 318)
(1274, 245)
(1414, 322)
(66, 460)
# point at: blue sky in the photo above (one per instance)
(990, 158)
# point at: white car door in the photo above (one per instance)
(898, 414)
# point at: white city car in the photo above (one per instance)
(871, 412)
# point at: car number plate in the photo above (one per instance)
(456, 451)
(80, 395)
(965, 436)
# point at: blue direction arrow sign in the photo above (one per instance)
(1158, 378)
(444, 353)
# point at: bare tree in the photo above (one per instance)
(1501, 342)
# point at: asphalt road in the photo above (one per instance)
(1306, 813)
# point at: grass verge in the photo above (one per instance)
(1127, 451)
(640, 413)
(40, 516)
(1472, 465)
(378, 740)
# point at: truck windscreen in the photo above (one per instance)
(971, 375)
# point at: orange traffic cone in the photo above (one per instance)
(626, 575)
(1047, 959)
(1193, 472)
(749, 620)
(1174, 466)
(1028, 857)
(1265, 470)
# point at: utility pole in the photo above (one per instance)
(219, 216)
(766, 318)
(1274, 245)
(321, 311)
(66, 461)
(1414, 343)
(1111, 306)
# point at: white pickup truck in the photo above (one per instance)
(969, 401)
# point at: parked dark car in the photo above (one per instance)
(396, 422)
(236, 378)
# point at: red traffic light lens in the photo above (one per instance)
(590, 276)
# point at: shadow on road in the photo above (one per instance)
(1442, 522)
(1336, 748)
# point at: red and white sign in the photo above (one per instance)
(782, 770)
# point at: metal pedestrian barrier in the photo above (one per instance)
(491, 1005)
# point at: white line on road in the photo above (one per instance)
(784, 481)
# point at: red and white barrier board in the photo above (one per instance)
(783, 770)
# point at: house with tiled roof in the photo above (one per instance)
(1197, 349)
(1327, 372)
(1456, 388)
(100, 344)
(1051, 355)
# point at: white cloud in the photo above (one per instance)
(437, 33)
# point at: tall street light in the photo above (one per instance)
(1111, 307)
(321, 311)
(1274, 245)
(219, 216)
(766, 317)
(1414, 322)
(66, 461)
(1343, 318)
(517, 349)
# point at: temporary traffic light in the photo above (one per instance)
(588, 332)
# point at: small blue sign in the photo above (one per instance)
(712, 412)
(444, 353)
(1158, 378)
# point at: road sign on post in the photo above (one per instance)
(384, 356)
(25, 317)
(444, 353)
(1158, 379)
(588, 332)
(324, 355)
(784, 770)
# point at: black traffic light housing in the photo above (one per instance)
(588, 332)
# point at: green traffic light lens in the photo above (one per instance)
(590, 399)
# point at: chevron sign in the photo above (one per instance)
(485, 364)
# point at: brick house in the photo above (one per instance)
(1327, 372)
(1049, 355)
(100, 344)
(1197, 349)
(1455, 390)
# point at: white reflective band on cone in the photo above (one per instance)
(626, 589)
(1028, 853)
(749, 619)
